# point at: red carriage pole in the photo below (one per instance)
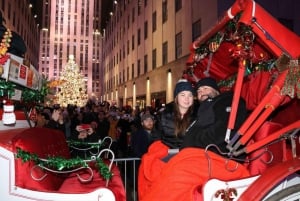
(270, 138)
(236, 98)
(272, 100)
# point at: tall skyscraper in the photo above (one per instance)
(71, 27)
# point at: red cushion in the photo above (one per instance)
(255, 88)
(73, 185)
(260, 164)
(44, 142)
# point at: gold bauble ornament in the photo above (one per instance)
(213, 46)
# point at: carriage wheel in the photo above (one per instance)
(291, 193)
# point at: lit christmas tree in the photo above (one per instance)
(72, 88)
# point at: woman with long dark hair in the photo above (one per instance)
(178, 115)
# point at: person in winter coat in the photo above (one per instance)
(177, 115)
(187, 171)
(56, 121)
(143, 137)
(212, 117)
(103, 125)
(174, 120)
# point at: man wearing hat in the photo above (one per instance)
(207, 88)
(142, 138)
(212, 117)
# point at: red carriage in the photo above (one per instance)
(251, 53)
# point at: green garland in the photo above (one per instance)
(82, 143)
(29, 96)
(6, 88)
(265, 66)
(59, 163)
(103, 169)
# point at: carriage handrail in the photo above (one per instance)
(91, 145)
(105, 170)
(268, 105)
(280, 134)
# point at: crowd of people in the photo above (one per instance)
(176, 124)
(94, 122)
(196, 119)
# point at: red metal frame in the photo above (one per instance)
(260, 188)
(275, 40)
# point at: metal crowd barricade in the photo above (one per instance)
(129, 172)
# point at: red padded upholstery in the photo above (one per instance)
(46, 143)
(72, 185)
(278, 149)
(43, 142)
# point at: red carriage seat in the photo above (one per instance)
(261, 159)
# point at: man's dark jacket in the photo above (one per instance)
(211, 124)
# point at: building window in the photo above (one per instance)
(133, 14)
(146, 30)
(124, 52)
(127, 47)
(3, 4)
(139, 68)
(196, 29)
(178, 5)
(139, 7)
(132, 71)
(145, 63)
(132, 43)
(9, 11)
(123, 75)
(154, 59)
(127, 73)
(178, 45)
(139, 37)
(154, 22)
(14, 19)
(128, 19)
(165, 53)
(164, 11)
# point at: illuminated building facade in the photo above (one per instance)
(71, 28)
(145, 47)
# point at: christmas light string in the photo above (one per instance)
(242, 37)
(4, 45)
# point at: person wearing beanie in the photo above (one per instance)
(178, 114)
(183, 85)
(207, 88)
(171, 124)
(212, 117)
